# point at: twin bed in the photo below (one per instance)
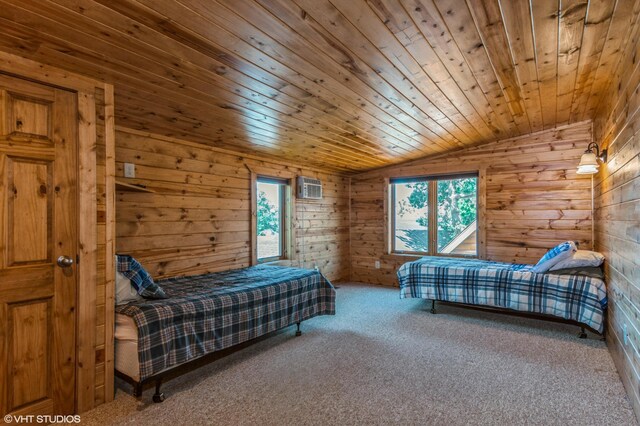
(207, 313)
(576, 298)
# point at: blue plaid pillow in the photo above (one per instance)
(140, 278)
(555, 255)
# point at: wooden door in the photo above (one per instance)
(38, 224)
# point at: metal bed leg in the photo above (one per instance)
(582, 334)
(433, 306)
(137, 390)
(298, 332)
(158, 396)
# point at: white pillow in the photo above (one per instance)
(125, 292)
(580, 259)
(557, 254)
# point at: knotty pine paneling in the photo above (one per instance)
(617, 215)
(198, 219)
(344, 85)
(101, 278)
(105, 234)
(530, 200)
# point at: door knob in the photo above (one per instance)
(65, 262)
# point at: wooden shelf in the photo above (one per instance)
(122, 186)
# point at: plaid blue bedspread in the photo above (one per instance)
(505, 285)
(207, 313)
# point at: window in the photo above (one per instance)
(434, 215)
(271, 219)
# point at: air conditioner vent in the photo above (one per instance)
(309, 188)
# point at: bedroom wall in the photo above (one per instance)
(617, 225)
(103, 390)
(199, 218)
(530, 199)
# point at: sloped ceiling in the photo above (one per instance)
(347, 85)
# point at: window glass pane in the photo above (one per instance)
(456, 216)
(270, 214)
(411, 232)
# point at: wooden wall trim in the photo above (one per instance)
(432, 219)
(386, 207)
(291, 220)
(86, 320)
(481, 237)
(110, 234)
(253, 193)
(350, 219)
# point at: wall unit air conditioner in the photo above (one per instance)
(309, 188)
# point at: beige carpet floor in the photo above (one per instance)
(382, 360)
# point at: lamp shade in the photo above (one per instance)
(588, 164)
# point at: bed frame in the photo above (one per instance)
(170, 373)
(581, 334)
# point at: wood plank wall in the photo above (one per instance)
(617, 216)
(198, 220)
(101, 250)
(530, 200)
(105, 240)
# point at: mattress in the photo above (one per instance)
(126, 347)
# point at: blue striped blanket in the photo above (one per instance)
(505, 285)
(207, 313)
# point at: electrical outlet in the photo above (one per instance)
(625, 334)
(377, 264)
(129, 170)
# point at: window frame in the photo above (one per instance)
(432, 214)
(286, 217)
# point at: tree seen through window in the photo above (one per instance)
(455, 216)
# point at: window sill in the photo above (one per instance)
(394, 255)
(270, 260)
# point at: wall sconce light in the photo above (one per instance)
(589, 160)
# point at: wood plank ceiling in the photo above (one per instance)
(346, 85)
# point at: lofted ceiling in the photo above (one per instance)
(345, 85)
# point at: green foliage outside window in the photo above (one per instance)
(415, 239)
(268, 219)
(457, 209)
